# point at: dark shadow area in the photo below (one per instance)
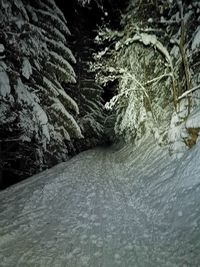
(110, 90)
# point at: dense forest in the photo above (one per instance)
(92, 73)
(99, 133)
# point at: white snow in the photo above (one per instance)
(62, 62)
(58, 45)
(196, 39)
(26, 68)
(51, 87)
(193, 120)
(151, 39)
(2, 48)
(37, 123)
(60, 109)
(84, 2)
(55, 19)
(122, 206)
(148, 39)
(71, 103)
(176, 133)
(62, 72)
(4, 82)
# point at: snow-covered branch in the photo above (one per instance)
(157, 79)
(185, 94)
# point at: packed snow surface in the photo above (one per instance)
(105, 208)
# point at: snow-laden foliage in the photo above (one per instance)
(86, 92)
(91, 111)
(154, 59)
(84, 2)
(4, 81)
(37, 115)
(141, 95)
(88, 96)
(57, 69)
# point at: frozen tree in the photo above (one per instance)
(86, 92)
(136, 62)
(91, 117)
(153, 59)
(35, 66)
(88, 95)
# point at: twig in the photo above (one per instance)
(158, 78)
(188, 92)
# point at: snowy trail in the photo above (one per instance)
(105, 208)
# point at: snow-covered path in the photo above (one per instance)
(105, 208)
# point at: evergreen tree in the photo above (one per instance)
(37, 115)
(86, 92)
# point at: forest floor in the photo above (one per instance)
(106, 207)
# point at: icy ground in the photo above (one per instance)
(106, 208)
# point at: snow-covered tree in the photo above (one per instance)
(91, 117)
(138, 65)
(35, 66)
(86, 92)
(153, 58)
